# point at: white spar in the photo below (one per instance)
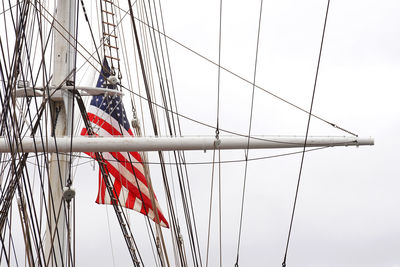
(126, 144)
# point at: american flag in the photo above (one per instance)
(108, 118)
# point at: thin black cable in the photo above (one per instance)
(305, 140)
(64, 210)
(192, 231)
(146, 209)
(45, 156)
(90, 159)
(152, 113)
(72, 94)
(40, 112)
(219, 68)
(71, 97)
(217, 136)
(248, 139)
(3, 248)
(238, 76)
(34, 220)
(8, 9)
(90, 29)
(247, 81)
(210, 208)
(33, 128)
(203, 123)
(125, 227)
(181, 153)
(18, 63)
(274, 95)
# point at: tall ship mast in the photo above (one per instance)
(90, 105)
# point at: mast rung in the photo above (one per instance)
(112, 57)
(108, 23)
(108, 12)
(111, 35)
(108, 1)
(111, 46)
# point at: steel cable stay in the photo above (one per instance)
(216, 64)
(28, 180)
(148, 72)
(104, 32)
(204, 123)
(109, 12)
(69, 42)
(172, 127)
(248, 81)
(3, 251)
(15, 132)
(330, 123)
(139, 130)
(130, 160)
(54, 20)
(181, 153)
(68, 182)
(24, 116)
(36, 127)
(41, 180)
(8, 9)
(233, 73)
(5, 59)
(306, 136)
(11, 244)
(6, 106)
(130, 241)
(210, 208)
(175, 227)
(248, 138)
(184, 187)
(91, 30)
(217, 137)
(30, 200)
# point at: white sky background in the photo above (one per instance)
(347, 213)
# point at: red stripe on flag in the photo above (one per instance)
(146, 202)
(119, 179)
(111, 130)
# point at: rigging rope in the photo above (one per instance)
(248, 81)
(155, 129)
(217, 137)
(248, 138)
(204, 162)
(209, 212)
(126, 230)
(305, 140)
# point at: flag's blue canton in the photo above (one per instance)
(110, 104)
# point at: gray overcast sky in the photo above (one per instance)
(348, 207)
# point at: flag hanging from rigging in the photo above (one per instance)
(108, 118)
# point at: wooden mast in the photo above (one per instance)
(56, 247)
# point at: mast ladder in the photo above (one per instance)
(126, 231)
(110, 38)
